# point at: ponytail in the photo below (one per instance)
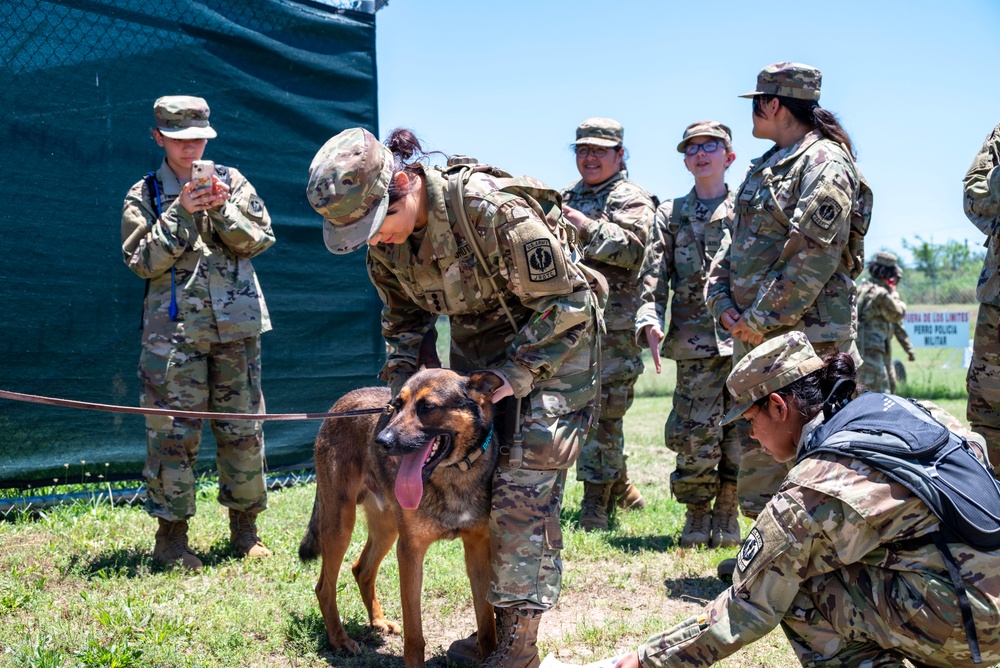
(827, 389)
(408, 156)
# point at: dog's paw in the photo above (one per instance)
(385, 626)
(343, 642)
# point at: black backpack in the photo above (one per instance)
(902, 440)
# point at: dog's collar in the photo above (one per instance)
(466, 463)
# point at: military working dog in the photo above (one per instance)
(421, 471)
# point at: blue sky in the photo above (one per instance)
(508, 81)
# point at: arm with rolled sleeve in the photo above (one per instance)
(796, 545)
(818, 232)
(243, 223)
(654, 276)
(618, 238)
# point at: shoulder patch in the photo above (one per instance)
(541, 260)
(826, 213)
(752, 546)
(255, 207)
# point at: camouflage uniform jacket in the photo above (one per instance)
(982, 206)
(218, 296)
(833, 513)
(880, 310)
(551, 302)
(613, 241)
(786, 266)
(678, 258)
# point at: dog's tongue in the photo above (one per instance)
(409, 479)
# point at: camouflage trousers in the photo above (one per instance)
(983, 382)
(221, 377)
(870, 616)
(525, 535)
(760, 476)
(707, 453)
(874, 374)
(603, 455)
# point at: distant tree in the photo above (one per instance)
(943, 273)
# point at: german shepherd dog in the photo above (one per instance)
(422, 472)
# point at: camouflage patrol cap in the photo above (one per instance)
(795, 80)
(349, 186)
(769, 367)
(706, 129)
(885, 259)
(600, 132)
(183, 117)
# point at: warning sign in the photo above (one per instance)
(938, 329)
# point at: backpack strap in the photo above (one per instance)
(456, 189)
(153, 188)
(963, 598)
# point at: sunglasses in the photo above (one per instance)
(709, 147)
(583, 150)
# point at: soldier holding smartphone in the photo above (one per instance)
(190, 229)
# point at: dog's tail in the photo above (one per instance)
(309, 546)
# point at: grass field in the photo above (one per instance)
(78, 586)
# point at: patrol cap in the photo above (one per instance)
(183, 117)
(795, 80)
(600, 132)
(769, 367)
(349, 186)
(706, 129)
(885, 259)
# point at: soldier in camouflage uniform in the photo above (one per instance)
(687, 233)
(982, 206)
(519, 307)
(202, 320)
(612, 216)
(880, 312)
(795, 248)
(903, 337)
(825, 563)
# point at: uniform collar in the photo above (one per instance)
(171, 184)
(692, 207)
(777, 156)
(809, 428)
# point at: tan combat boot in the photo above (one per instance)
(725, 518)
(465, 651)
(594, 509)
(243, 535)
(697, 525)
(625, 495)
(171, 547)
(517, 632)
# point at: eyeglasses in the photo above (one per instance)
(583, 150)
(750, 418)
(709, 147)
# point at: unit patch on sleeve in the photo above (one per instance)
(751, 546)
(255, 207)
(826, 213)
(541, 260)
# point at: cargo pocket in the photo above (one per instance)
(616, 402)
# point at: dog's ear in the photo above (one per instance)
(427, 356)
(485, 383)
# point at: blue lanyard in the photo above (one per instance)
(173, 276)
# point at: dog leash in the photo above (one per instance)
(109, 408)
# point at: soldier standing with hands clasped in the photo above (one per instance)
(687, 233)
(797, 243)
(612, 216)
(982, 206)
(202, 320)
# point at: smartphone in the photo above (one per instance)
(201, 174)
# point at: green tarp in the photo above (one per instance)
(79, 79)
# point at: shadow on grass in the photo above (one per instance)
(130, 563)
(634, 544)
(701, 589)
